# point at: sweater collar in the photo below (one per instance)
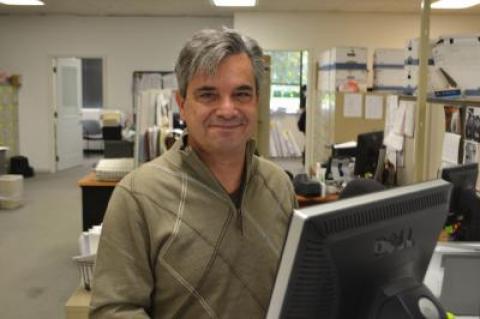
(198, 168)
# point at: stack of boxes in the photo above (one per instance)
(343, 69)
(436, 80)
(459, 57)
(11, 191)
(388, 70)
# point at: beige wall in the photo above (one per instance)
(317, 32)
(320, 31)
(128, 44)
(27, 45)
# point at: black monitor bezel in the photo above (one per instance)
(434, 193)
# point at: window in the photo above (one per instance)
(289, 72)
(92, 82)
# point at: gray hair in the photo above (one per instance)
(207, 48)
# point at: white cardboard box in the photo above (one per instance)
(436, 81)
(334, 79)
(388, 57)
(323, 81)
(349, 55)
(324, 58)
(343, 55)
(459, 56)
(412, 50)
(388, 77)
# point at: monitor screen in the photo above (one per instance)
(465, 204)
(464, 179)
(368, 147)
(363, 257)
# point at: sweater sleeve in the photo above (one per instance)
(123, 279)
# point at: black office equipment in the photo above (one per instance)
(366, 157)
(306, 186)
(363, 257)
(20, 165)
(112, 132)
(465, 204)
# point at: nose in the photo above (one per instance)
(227, 108)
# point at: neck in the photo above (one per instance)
(227, 168)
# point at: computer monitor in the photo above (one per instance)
(465, 204)
(363, 257)
(464, 179)
(368, 147)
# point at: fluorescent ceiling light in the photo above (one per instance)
(22, 2)
(235, 3)
(454, 4)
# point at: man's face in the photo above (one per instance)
(221, 110)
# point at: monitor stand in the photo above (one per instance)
(407, 300)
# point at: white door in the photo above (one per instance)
(68, 116)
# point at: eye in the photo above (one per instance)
(244, 96)
(206, 96)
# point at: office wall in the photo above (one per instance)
(317, 32)
(320, 31)
(127, 44)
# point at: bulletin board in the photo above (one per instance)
(347, 128)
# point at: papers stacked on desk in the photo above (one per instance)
(113, 169)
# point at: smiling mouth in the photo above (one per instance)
(226, 127)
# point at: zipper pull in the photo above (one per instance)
(240, 220)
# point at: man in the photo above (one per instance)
(198, 232)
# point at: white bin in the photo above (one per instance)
(11, 185)
(11, 202)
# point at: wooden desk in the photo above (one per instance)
(95, 197)
(309, 201)
(78, 304)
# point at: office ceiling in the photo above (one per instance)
(204, 8)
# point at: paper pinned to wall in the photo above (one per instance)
(373, 107)
(352, 105)
(394, 141)
(451, 147)
(392, 156)
(399, 119)
(392, 105)
(409, 127)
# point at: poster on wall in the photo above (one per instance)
(471, 148)
(452, 120)
(472, 124)
(470, 152)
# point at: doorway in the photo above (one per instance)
(78, 96)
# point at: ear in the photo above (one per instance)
(181, 104)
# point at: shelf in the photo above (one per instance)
(444, 101)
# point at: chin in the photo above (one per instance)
(228, 146)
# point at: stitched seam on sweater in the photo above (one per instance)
(163, 252)
(209, 264)
(231, 269)
(215, 252)
(190, 288)
(192, 180)
(178, 220)
(220, 256)
(173, 214)
(264, 180)
(264, 235)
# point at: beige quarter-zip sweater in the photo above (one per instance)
(174, 245)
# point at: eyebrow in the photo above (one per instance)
(205, 88)
(244, 87)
